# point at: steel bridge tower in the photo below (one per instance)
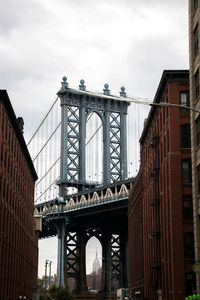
(76, 106)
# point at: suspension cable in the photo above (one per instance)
(47, 142)
(93, 135)
(48, 188)
(48, 171)
(43, 120)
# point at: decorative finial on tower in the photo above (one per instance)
(122, 92)
(106, 91)
(64, 83)
(82, 86)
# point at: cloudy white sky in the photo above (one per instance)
(121, 42)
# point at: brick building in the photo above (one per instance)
(94, 280)
(135, 238)
(18, 239)
(161, 241)
(194, 55)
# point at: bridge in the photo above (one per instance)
(84, 182)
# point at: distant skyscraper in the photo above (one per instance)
(94, 279)
(96, 264)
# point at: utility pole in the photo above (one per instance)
(50, 273)
(46, 263)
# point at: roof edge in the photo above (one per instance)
(167, 76)
(4, 98)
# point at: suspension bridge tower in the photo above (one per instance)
(105, 213)
(76, 106)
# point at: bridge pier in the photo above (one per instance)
(124, 259)
(60, 279)
(106, 264)
(81, 280)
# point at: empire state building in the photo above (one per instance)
(96, 265)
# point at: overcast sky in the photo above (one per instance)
(119, 42)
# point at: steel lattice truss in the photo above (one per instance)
(73, 138)
(76, 108)
(115, 170)
(72, 258)
(115, 258)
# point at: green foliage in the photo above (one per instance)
(46, 297)
(192, 297)
(41, 283)
(57, 293)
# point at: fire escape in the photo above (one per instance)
(154, 201)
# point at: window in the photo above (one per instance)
(189, 245)
(197, 125)
(186, 171)
(195, 4)
(185, 136)
(196, 83)
(190, 283)
(187, 207)
(196, 40)
(184, 100)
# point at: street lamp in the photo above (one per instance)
(46, 263)
(139, 101)
(163, 104)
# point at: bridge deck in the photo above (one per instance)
(101, 206)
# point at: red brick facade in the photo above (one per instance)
(136, 278)
(18, 240)
(166, 251)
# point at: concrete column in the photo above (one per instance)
(60, 280)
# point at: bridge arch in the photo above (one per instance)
(93, 263)
(109, 193)
(123, 190)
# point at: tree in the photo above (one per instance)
(57, 293)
